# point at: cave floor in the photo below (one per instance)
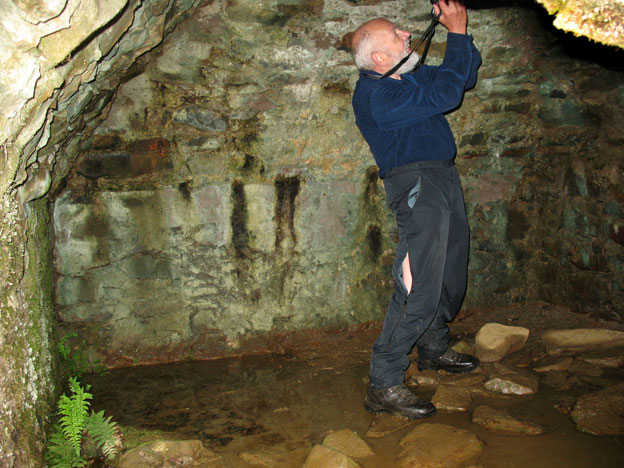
(271, 409)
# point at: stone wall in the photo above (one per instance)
(215, 188)
(228, 193)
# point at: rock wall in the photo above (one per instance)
(228, 193)
(27, 382)
(52, 51)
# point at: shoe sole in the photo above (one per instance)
(376, 409)
(452, 370)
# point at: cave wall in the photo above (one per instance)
(222, 190)
(228, 194)
(52, 51)
(27, 365)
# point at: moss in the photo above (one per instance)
(134, 437)
(27, 317)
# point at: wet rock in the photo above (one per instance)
(452, 398)
(323, 457)
(202, 119)
(470, 379)
(272, 457)
(426, 378)
(581, 367)
(499, 421)
(522, 358)
(165, 453)
(349, 443)
(604, 25)
(438, 446)
(561, 342)
(564, 403)
(465, 347)
(384, 424)
(553, 364)
(557, 379)
(510, 381)
(495, 341)
(601, 413)
(610, 358)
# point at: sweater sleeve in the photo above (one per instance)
(428, 92)
(476, 63)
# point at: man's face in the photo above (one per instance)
(395, 44)
(394, 41)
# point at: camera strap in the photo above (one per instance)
(426, 38)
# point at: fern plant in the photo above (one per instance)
(76, 424)
(73, 357)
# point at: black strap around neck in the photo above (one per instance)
(426, 37)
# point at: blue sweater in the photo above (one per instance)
(403, 120)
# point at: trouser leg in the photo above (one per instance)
(434, 340)
(424, 232)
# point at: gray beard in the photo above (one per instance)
(409, 65)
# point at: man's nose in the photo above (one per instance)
(405, 34)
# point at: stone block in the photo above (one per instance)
(201, 119)
(214, 207)
(326, 212)
(436, 445)
(323, 457)
(147, 267)
(260, 200)
(500, 422)
(452, 398)
(511, 381)
(575, 340)
(494, 341)
(601, 412)
(74, 290)
(348, 442)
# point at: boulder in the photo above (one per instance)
(553, 364)
(426, 378)
(610, 358)
(282, 456)
(384, 424)
(495, 341)
(559, 342)
(468, 379)
(511, 381)
(438, 446)
(349, 443)
(601, 413)
(452, 398)
(161, 453)
(500, 422)
(323, 457)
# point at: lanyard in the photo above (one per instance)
(426, 37)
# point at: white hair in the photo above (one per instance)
(363, 51)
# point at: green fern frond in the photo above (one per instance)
(104, 432)
(65, 445)
(60, 453)
(73, 412)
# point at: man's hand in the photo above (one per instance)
(453, 17)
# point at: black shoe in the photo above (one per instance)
(398, 400)
(450, 361)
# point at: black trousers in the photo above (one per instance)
(428, 203)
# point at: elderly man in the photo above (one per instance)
(401, 116)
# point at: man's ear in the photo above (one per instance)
(379, 58)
